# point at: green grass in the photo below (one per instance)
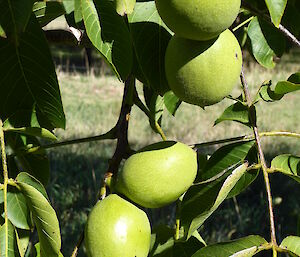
(92, 106)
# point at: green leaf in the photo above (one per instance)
(12, 245)
(201, 200)
(28, 78)
(266, 42)
(155, 104)
(109, 35)
(45, 220)
(150, 39)
(46, 12)
(171, 102)
(164, 245)
(225, 157)
(17, 210)
(276, 9)
(124, 7)
(243, 247)
(282, 87)
(162, 241)
(236, 112)
(14, 17)
(22, 240)
(33, 131)
(292, 244)
(32, 181)
(287, 164)
(37, 247)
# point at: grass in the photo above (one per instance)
(92, 106)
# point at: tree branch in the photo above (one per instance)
(246, 138)
(252, 116)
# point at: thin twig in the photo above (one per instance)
(262, 160)
(246, 138)
(75, 251)
(5, 178)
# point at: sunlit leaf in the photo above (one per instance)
(276, 9)
(291, 243)
(282, 87)
(12, 249)
(22, 240)
(266, 42)
(109, 35)
(236, 112)
(124, 6)
(33, 131)
(17, 210)
(243, 247)
(171, 102)
(201, 200)
(45, 220)
(287, 164)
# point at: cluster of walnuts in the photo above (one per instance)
(203, 61)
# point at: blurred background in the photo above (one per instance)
(92, 98)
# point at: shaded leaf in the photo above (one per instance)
(14, 17)
(28, 78)
(33, 131)
(236, 112)
(171, 102)
(46, 12)
(17, 210)
(45, 220)
(201, 200)
(164, 245)
(12, 246)
(276, 9)
(243, 247)
(162, 241)
(124, 6)
(150, 39)
(109, 35)
(225, 157)
(22, 240)
(287, 164)
(266, 42)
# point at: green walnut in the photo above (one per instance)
(117, 228)
(203, 72)
(158, 174)
(198, 19)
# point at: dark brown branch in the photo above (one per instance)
(122, 149)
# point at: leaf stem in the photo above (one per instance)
(138, 102)
(242, 24)
(252, 116)
(5, 177)
(248, 138)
